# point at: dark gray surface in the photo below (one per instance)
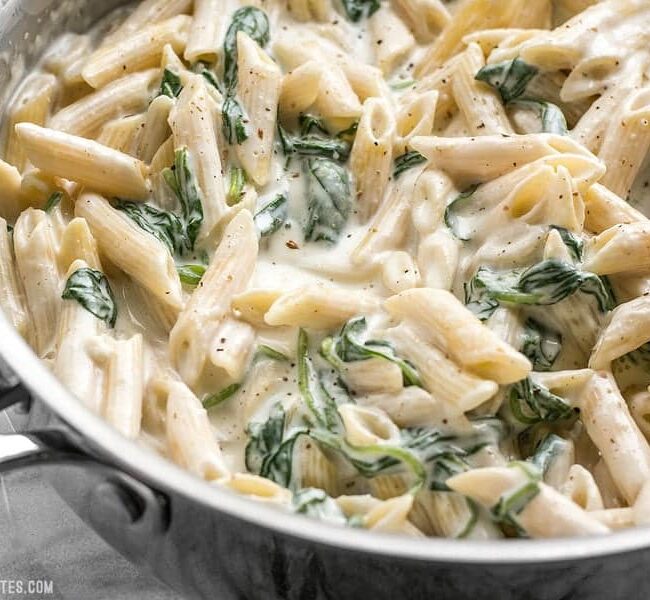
(42, 539)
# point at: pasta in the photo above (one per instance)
(383, 264)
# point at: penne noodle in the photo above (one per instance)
(35, 247)
(205, 32)
(259, 85)
(139, 51)
(132, 250)
(32, 105)
(12, 299)
(442, 320)
(194, 342)
(123, 97)
(372, 155)
(89, 163)
(193, 122)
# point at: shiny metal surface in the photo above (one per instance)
(208, 543)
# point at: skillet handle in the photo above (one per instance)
(126, 512)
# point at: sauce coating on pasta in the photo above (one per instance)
(385, 264)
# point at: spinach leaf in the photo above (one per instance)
(91, 289)
(511, 504)
(545, 283)
(264, 351)
(272, 216)
(236, 186)
(553, 280)
(315, 503)
(550, 116)
(53, 201)
(488, 289)
(203, 69)
(571, 241)
(329, 200)
(509, 78)
(317, 146)
(166, 227)
(533, 403)
(269, 453)
(359, 9)
(547, 452)
(452, 218)
(180, 178)
(541, 345)
(310, 124)
(235, 121)
(372, 460)
(191, 275)
(220, 397)
(251, 21)
(407, 161)
(321, 405)
(171, 84)
(309, 144)
(348, 347)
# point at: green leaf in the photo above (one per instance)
(512, 503)
(309, 144)
(547, 452)
(328, 200)
(407, 161)
(372, 460)
(91, 289)
(453, 211)
(545, 283)
(180, 178)
(251, 21)
(360, 9)
(348, 347)
(236, 186)
(550, 116)
(166, 227)
(509, 78)
(311, 124)
(571, 241)
(321, 405)
(272, 216)
(553, 280)
(488, 289)
(269, 452)
(191, 275)
(171, 84)
(53, 201)
(235, 121)
(220, 397)
(315, 503)
(533, 403)
(203, 69)
(402, 84)
(264, 351)
(541, 345)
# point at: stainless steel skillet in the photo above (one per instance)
(208, 543)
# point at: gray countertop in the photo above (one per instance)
(42, 539)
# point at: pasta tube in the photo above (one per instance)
(87, 162)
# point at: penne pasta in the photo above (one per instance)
(138, 51)
(132, 250)
(87, 162)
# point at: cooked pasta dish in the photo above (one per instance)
(382, 263)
